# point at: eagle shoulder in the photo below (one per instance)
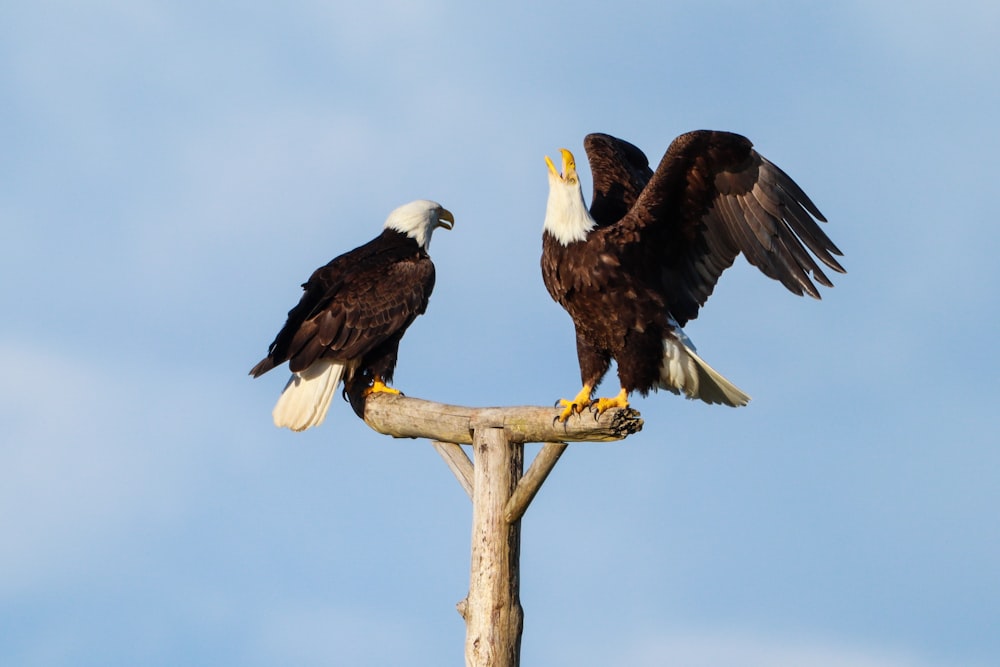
(353, 304)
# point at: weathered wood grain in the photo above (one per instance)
(405, 417)
(493, 615)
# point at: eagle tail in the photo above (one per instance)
(307, 396)
(684, 372)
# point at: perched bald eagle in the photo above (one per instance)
(348, 323)
(640, 263)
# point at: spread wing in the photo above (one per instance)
(349, 308)
(620, 171)
(712, 197)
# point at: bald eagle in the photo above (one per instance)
(348, 323)
(643, 260)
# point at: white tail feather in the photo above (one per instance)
(684, 372)
(307, 396)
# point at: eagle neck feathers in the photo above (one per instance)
(566, 216)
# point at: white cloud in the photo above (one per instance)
(70, 477)
(327, 635)
(725, 649)
(93, 458)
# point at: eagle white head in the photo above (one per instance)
(419, 219)
(566, 215)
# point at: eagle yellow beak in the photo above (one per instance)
(445, 219)
(568, 163)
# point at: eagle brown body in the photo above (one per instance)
(357, 307)
(647, 255)
(617, 314)
(352, 315)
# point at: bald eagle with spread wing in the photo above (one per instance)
(643, 260)
(348, 323)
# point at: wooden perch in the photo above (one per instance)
(527, 486)
(404, 417)
(532, 480)
(458, 462)
(499, 491)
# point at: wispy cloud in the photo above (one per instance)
(728, 649)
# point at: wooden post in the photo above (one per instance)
(494, 619)
(492, 611)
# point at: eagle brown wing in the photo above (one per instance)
(352, 305)
(620, 172)
(712, 197)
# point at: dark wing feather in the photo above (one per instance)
(352, 305)
(712, 197)
(620, 171)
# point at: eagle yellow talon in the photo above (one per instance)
(577, 405)
(569, 409)
(602, 405)
(379, 387)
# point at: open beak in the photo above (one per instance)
(445, 219)
(568, 164)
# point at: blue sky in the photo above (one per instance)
(172, 171)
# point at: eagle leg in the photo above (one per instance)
(580, 403)
(379, 387)
(602, 405)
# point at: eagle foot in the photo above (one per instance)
(602, 405)
(379, 387)
(576, 405)
(569, 409)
